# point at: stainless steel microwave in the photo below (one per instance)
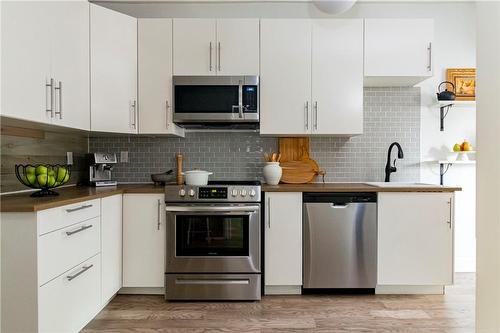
(216, 99)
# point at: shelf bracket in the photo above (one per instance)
(443, 169)
(443, 115)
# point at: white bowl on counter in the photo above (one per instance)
(197, 177)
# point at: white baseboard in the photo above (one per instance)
(142, 291)
(283, 290)
(409, 290)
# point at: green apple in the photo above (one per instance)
(61, 174)
(52, 173)
(30, 170)
(41, 170)
(42, 179)
(31, 178)
(66, 178)
(51, 180)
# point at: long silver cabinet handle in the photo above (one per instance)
(218, 55)
(451, 216)
(307, 114)
(71, 210)
(83, 270)
(316, 115)
(134, 115)
(167, 106)
(50, 108)
(269, 213)
(159, 215)
(429, 49)
(210, 55)
(58, 90)
(83, 227)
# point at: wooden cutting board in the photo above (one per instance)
(298, 167)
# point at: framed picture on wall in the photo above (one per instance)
(464, 80)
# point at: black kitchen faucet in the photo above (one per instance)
(388, 168)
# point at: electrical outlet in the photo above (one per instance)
(69, 158)
(124, 156)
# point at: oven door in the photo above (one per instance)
(218, 238)
(219, 99)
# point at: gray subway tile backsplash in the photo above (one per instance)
(390, 114)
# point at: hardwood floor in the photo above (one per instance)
(453, 312)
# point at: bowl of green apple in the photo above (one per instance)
(43, 176)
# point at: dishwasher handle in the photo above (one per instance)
(339, 205)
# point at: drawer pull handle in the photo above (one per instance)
(83, 270)
(71, 210)
(83, 227)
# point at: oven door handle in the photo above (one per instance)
(249, 209)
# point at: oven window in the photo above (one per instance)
(206, 99)
(198, 235)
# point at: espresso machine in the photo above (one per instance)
(100, 167)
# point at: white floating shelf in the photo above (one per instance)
(456, 103)
(455, 162)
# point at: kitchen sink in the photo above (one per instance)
(400, 184)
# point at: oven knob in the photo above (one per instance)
(234, 192)
(182, 192)
(243, 193)
(191, 193)
(252, 193)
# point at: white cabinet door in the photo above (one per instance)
(155, 77)
(415, 239)
(143, 240)
(113, 66)
(70, 63)
(25, 54)
(285, 76)
(111, 246)
(398, 48)
(283, 239)
(337, 76)
(237, 47)
(194, 46)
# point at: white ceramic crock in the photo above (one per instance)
(197, 177)
(272, 173)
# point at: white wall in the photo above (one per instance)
(454, 46)
(488, 168)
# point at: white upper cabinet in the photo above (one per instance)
(415, 239)
(398, 51)
(155, 77)
(70, 54)
(311, 77)
(194, 47)
(216, 47)
(337, 77)
(285, 76)
(113, 67)
(45, 46)
(238, 47)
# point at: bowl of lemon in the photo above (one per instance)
(43, 176)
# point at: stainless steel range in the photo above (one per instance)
(213, 241)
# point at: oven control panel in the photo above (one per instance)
(232, 193)
(212, 193)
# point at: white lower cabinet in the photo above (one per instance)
(283, 243)
(52, 262)
(68, 302)
(415, 239)
(111, 246)
(144, 240)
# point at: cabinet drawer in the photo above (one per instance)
(61, 217)
(62, 249)
(70, 301)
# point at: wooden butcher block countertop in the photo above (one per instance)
(22, 202)
(355, 187)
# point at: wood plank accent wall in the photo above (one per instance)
(26, 145)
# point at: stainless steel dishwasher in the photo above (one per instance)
(340, 240)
